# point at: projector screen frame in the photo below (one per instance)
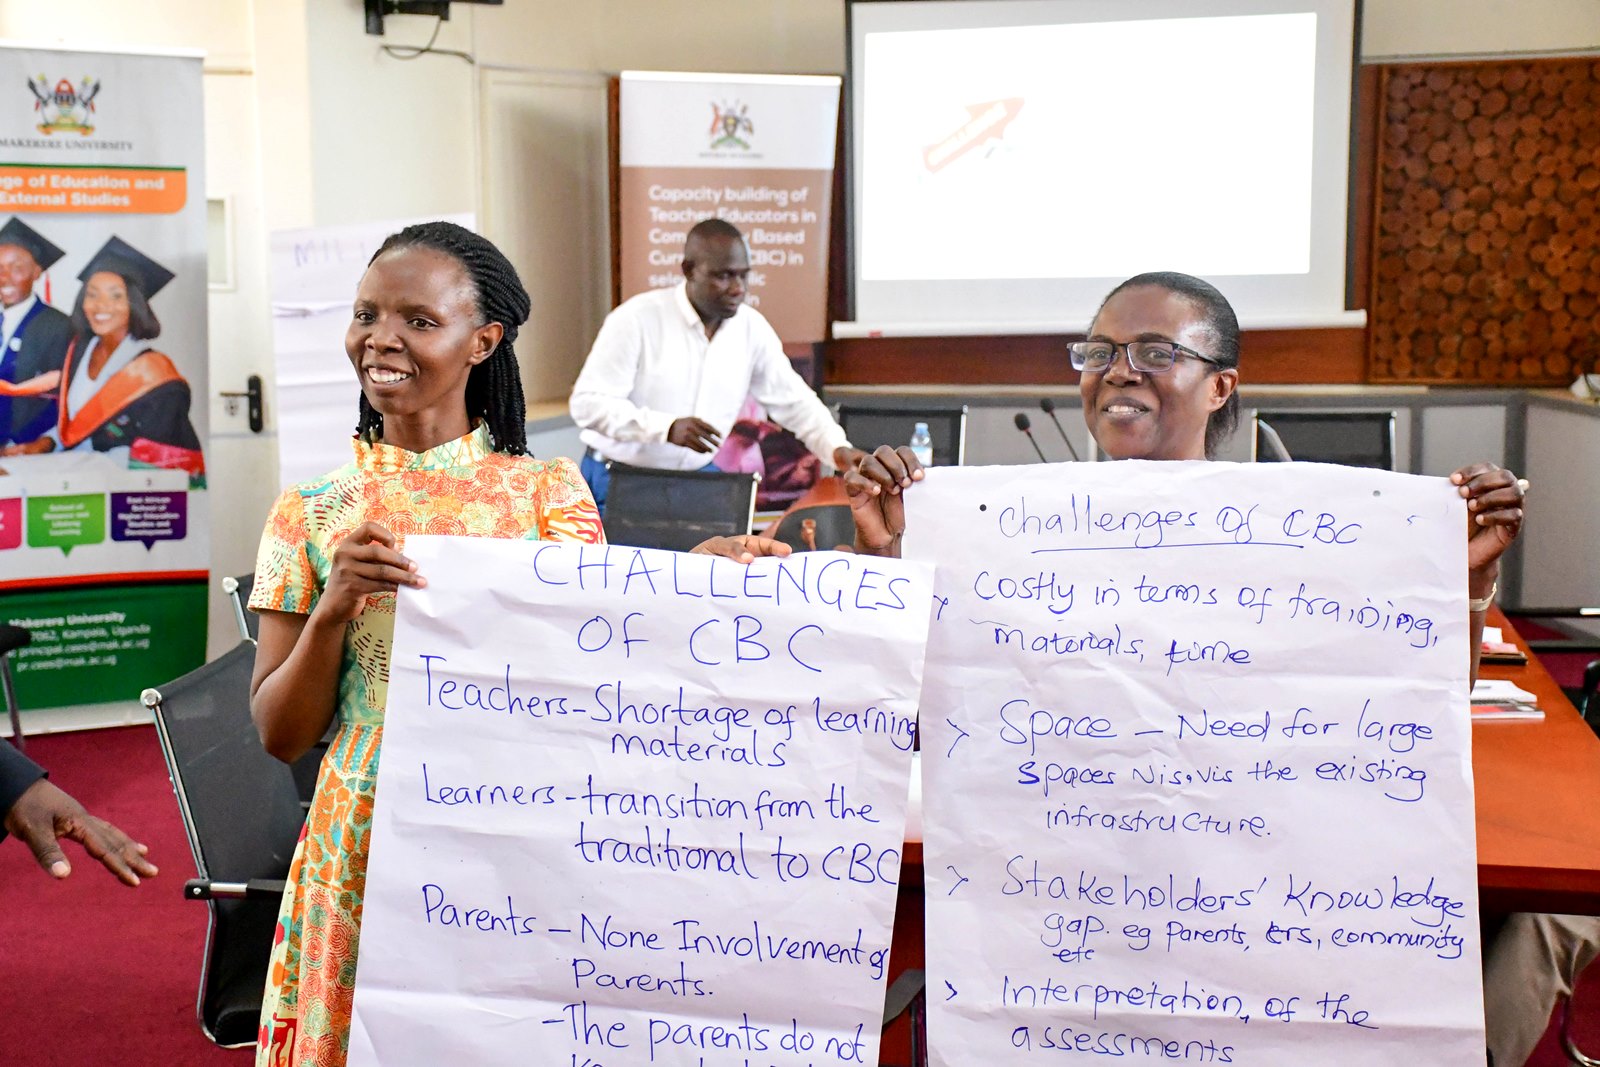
(847, 322)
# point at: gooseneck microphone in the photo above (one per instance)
(1027, 428)
(1048, 406)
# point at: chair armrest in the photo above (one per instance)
(1556, 613)
(1554, 644)
(255, 888)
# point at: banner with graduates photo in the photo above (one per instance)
(104, 522)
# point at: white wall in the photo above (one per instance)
(757, 36)
(390, 138)
(1558, 538)
(545, 203)
(222, 28)
(241, 465)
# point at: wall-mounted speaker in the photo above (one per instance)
(377, 9)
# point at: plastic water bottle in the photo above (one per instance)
(922, 444)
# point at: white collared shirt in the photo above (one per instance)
(11, 318)
(652, 364)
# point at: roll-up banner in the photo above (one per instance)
(104, 524)
(758, 151)
(754, 150)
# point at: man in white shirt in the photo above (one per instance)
(671, 367)
(33, 335)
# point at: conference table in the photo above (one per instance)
(1537, 787)
(1538, 800)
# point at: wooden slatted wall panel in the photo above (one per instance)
(1487, 246)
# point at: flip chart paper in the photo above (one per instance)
(1196, 766)
(637, 807)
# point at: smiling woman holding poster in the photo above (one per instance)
(1159, 379)
(1195, 760)
(440, 450)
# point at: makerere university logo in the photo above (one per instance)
(728, 122)
(67, 108)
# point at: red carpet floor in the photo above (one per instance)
(91, 971)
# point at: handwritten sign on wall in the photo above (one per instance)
(1196, 766)
(637, 807)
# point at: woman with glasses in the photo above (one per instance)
(1159, 380)
(1160, 369)
(1159, 374)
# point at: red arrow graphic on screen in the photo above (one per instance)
(986, 122)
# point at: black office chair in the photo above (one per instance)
(1565, 641)
(832, 526)
(242, 814)
(11, 639)
(908, 995)
(305, 768)
(238, 590)
(1589, 696)
(1269, 447)
(869, 427)
(1350, 438)
(677, 509)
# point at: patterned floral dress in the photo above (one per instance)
(463, 487)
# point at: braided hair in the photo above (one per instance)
(494, 387)
(1223, 325)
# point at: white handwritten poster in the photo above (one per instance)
(1196, 766)
(637, 807)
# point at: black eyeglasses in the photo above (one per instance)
(1148, 357)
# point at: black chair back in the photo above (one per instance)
(834, 527)
(1350, 438)
(677, 509)
(11, 639)
(242, 813)
(238, 590)
(869, 427)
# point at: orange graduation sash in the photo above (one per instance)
(148, 372)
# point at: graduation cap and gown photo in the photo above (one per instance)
(116, 391)
(33, 335)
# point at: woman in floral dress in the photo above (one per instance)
(440, 449)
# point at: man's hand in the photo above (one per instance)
(44, 814)
(695, 434)
(741, 548)
(874, 488)
(845, 458)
